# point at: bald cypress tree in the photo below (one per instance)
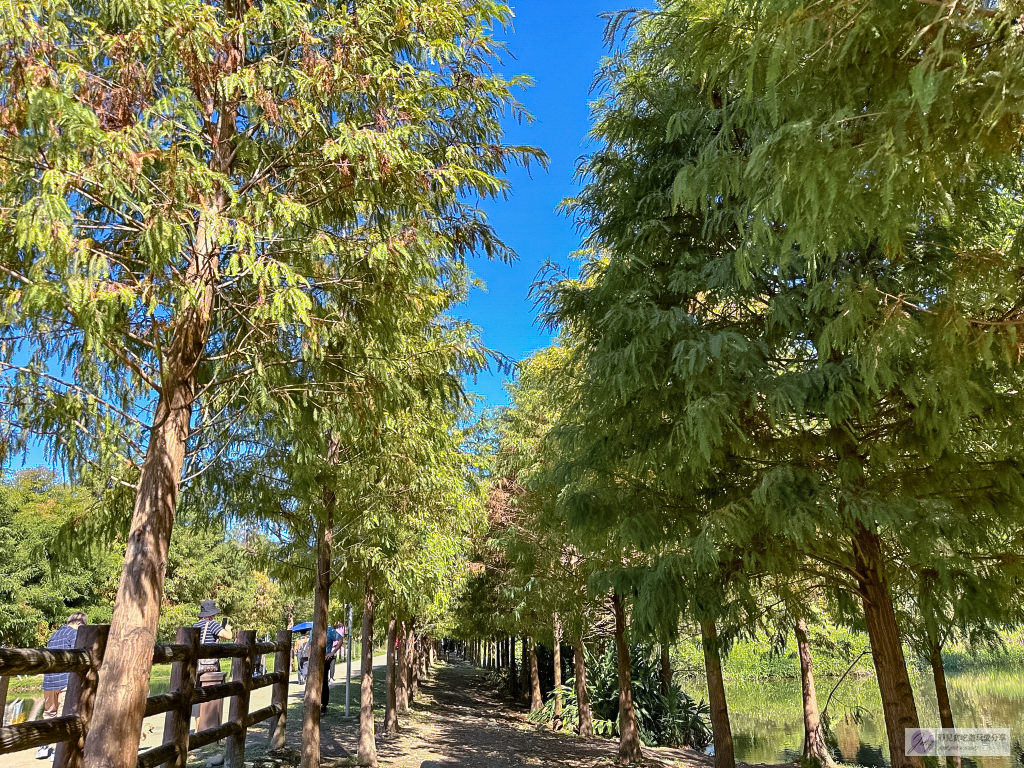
(771, 375)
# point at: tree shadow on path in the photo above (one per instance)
(457, 721)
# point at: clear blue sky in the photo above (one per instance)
(560, 44)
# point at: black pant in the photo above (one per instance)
(325, 689)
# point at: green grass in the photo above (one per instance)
(833, 650)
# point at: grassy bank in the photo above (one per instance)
(834, 649)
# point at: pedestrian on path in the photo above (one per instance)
(208, 714)
(55, 684)
(333, 639)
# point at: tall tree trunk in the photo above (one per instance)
(629, 734)
(536, 700)
(116, 725)
(666, 669)
(886, 648)
(941, 692)
(417, 662)
(513, 682)
(815, 748)
(115, 728)
(401, 670)
(524, 666)
(367, 753)
(579, 663)
(391, 704)
(406, 657)
(556, 625)
(721, 730)
(318, 638)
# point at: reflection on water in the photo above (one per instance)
(767, 716)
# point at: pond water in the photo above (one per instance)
(767, 716)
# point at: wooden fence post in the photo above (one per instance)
(183, 682)
(241, 672)
(81, 694)
(279, 693)
(4, 681)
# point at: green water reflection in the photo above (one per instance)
(767, 720)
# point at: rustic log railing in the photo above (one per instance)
(69, 730)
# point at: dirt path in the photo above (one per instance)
(458, 722)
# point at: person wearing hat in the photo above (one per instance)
(208, 714)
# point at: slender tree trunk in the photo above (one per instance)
(524, 666)
(536, 700)
(666, 669)
(556, 625)
(815, 748)
(942, 693)
(318, 638)
(391, 705)
(367, 753)
(406, 658)
(886, 648)
(721, 730)
(513, 682)
(629, 734)
(417, 662)
(586, 718)
(402, 673)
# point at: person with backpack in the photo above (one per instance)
(208, 714)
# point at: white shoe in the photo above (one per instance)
(43, 752)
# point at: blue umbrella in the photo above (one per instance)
(303, 626)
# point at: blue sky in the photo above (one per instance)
(560, 44)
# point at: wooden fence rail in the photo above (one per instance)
(69, 730)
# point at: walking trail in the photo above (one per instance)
(457, 721)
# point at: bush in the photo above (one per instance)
(670, 720)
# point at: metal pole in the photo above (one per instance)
(348, 662)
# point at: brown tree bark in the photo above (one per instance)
(513, 682)
(629, 733)
(721, 729)
(401, 671)
(318, 638)
(942, 692)
(116, 727)
(406, 658)
(815, 748)
(586, 717)
(556, 625)
(391, 703)
(666, 670)
(524, 666)
(367, 752)
(536, 700)
(417, 663)
(886, 648)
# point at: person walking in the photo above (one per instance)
(330, 650)
(301, 649)
(208, 714)
(55, 684)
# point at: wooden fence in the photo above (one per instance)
(70, 729)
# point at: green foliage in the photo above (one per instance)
(40, 584)
(41, 581)
(673, 719)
